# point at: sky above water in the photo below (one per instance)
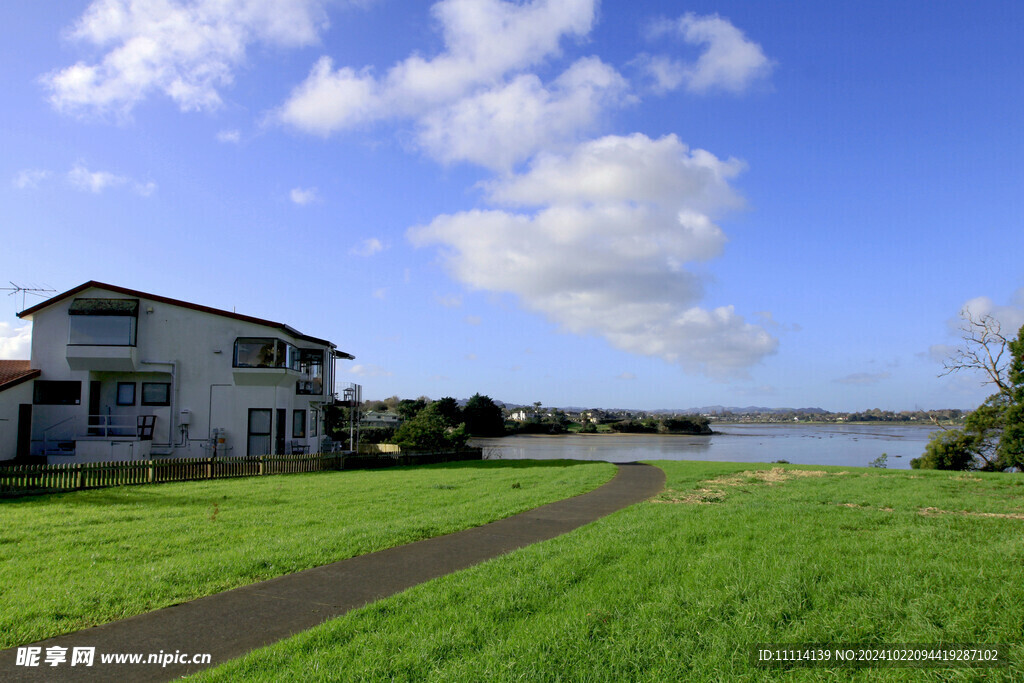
(640, 204)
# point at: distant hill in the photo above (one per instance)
(752, 410)
(705, 410)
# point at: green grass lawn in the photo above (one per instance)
(682, 588)
(78, 559)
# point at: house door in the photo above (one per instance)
(24, 430)
(258, 442)
(279, 431)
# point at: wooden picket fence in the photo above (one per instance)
(44, 478)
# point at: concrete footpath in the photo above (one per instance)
(230, 624)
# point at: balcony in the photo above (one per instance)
(102, 358)
(266, 377)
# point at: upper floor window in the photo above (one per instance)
(311, 364)
(265, 352)
(103, 322)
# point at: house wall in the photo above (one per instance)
(201, 347)
(10, 401)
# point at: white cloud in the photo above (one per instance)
(144, 189)
(367, 247)
(760, 390)
(1010, 316)
(29, 178)
(626, 376)
(729, 60)
(473, 320)
(328, 100)
(366, 370)
(303, 196)
(863, 378)
(604, 252)
(98, 181)
(940, 353)
(15, 342)
(94, 181)
(464, 107)
(230, 136)
(500, 126)
(453, 301)
(184, 49)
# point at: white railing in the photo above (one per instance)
(108, 426)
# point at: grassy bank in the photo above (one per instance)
(78, 559)
(731, 555)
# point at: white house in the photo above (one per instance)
(128, 375)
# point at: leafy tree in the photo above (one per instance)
(430, 430)
(685, 424)
(993, 435)
(483, 417)
(449, 409)
(408, 408)
(949, 449)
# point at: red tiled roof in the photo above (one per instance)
(27, 313)
(14, 372)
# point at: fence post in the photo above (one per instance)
(260, 464)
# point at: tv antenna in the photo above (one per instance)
(35, 291)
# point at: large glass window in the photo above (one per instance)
(53, 393)
(299, 424)
(265, 352)
(103, 322)
(254, 353)
(156, 394)
(102, 330)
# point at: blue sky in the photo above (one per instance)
(621, 204)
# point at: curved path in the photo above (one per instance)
(230, 624)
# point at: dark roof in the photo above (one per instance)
(29, 312)
(14, 372)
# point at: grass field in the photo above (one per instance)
(731, 555)
(74, 560)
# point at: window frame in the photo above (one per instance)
(165, 402)
(44, 392)
(76, 338)
(285, 354)
(120, 385)
(297, 413)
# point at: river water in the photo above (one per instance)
(805, 444)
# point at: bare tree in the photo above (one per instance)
(984, 349)
(984, 442)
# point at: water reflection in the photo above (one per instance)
(846, 445)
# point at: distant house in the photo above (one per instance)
(121, 375)
(523, 415)
(15, 407)
(375, 419)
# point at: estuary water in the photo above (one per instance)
(805, 444)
